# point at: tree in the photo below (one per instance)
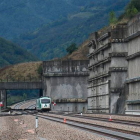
(112, 18)
(25, 96)
(71, 48)
(131, 12)
(132, 8)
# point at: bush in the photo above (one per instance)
(71, 48)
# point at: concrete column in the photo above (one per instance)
(3, 98)
(113, 105)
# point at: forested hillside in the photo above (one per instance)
(51, 40)
(11, 54)
(132, 9)
(20, 16)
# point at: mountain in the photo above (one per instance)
(51, 40)
(21, 16)
(11, 53)
(131, 10)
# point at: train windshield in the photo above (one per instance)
(45, 101)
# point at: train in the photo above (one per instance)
(43, 104)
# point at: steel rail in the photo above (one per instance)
(95, 128)
(125, 122)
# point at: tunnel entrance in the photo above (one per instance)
(15, 96)
(7, 88)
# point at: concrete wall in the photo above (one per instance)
(118, 79)
(118, 69)
(108, 63)
(118, 101)
(117, 92)
(98, 87)
(71, 107)
(133, 38)
(118, 62)
(67, 87)
(133, 101)
(65, 66)
(133, 25)
(134, 92)
(98, 98)
(119, 47)
(106, 52)
(135, 44)
(134, 63)
(66, 80)
(134, 68)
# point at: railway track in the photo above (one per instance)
(18, 105)
(102, 130)
(111, 133)
(31, 106)
(114, 133)
(133, 123)
(28, 104)
(83, 119)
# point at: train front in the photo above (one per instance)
(45, 104)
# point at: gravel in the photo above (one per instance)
(110, 124)
(126, 118)
(23, 128)
(15, 128)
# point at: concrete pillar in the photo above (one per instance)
(113, 104)
(3, 98)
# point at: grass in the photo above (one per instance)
(21, 71)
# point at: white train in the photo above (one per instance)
(43, 104)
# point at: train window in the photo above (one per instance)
(45, 100)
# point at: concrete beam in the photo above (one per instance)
(71, 100)
(20, 85)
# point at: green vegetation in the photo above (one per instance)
(131, 9)
(24, 96)
(52, 39)
(11, 54)
(27, 15)
(113, 19)
(14, 96)
(71, 48)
